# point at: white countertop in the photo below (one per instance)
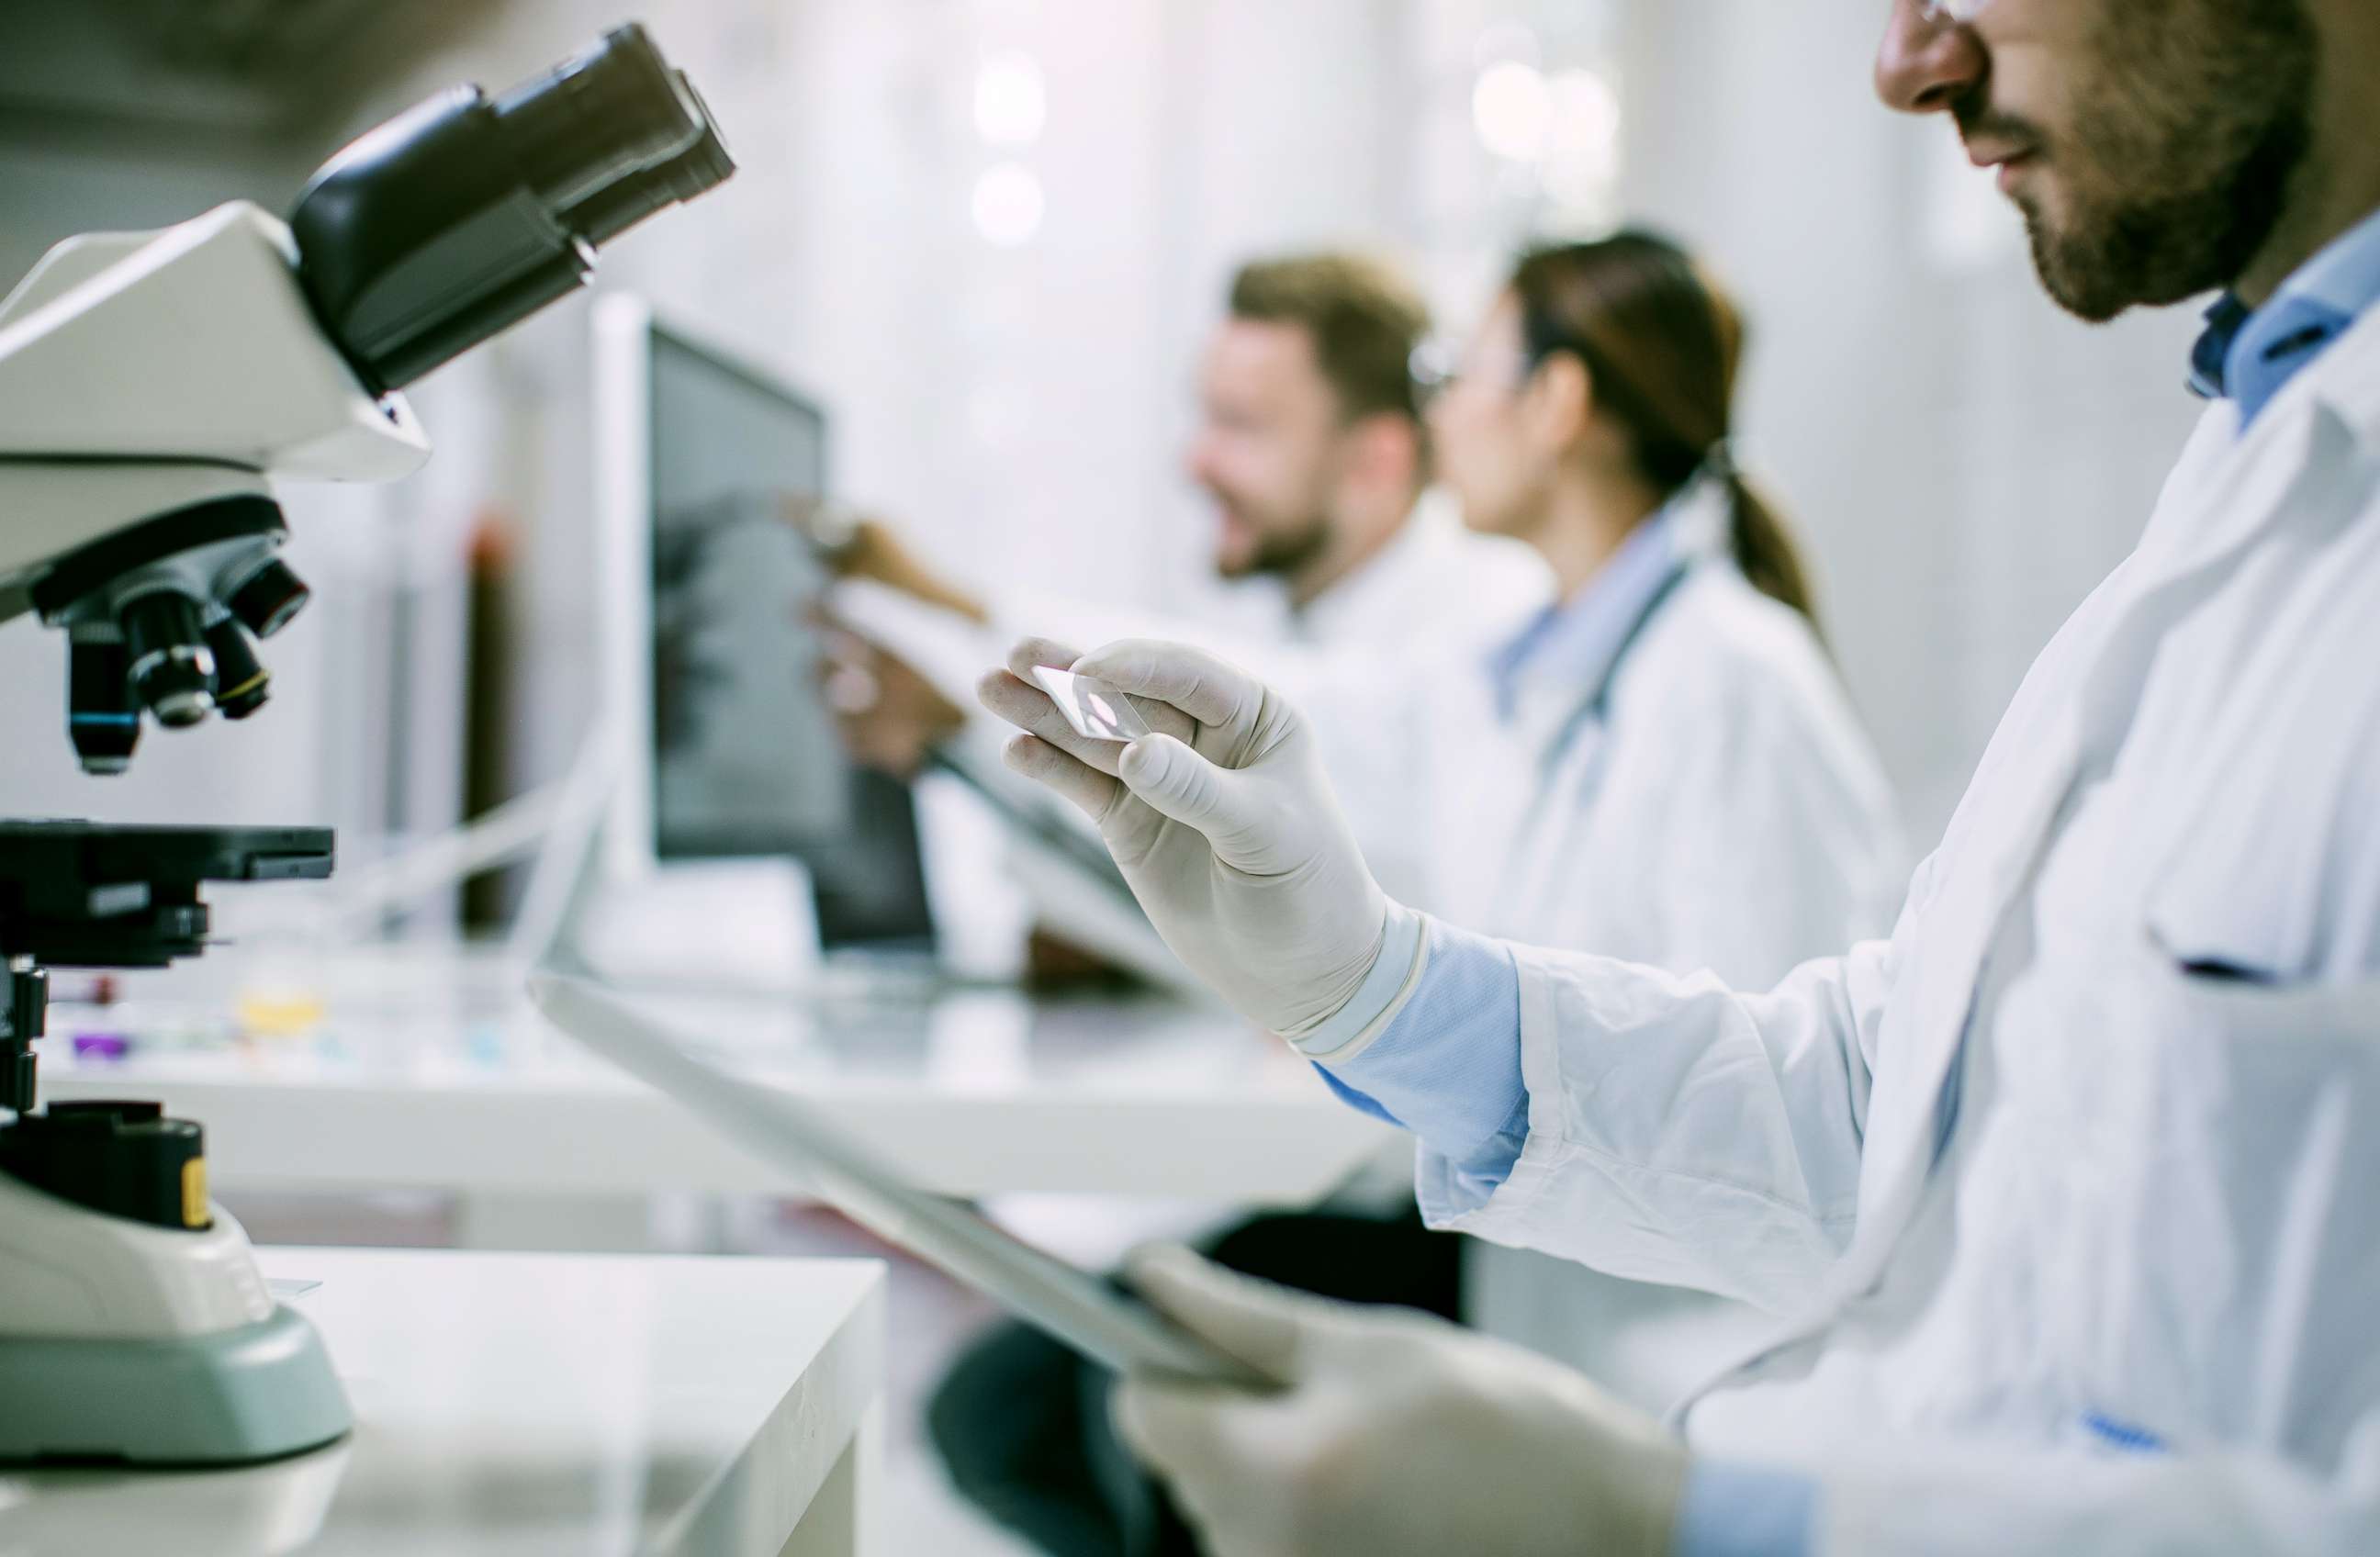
(516, 1404)
(426, 1074)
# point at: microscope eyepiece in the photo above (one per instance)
(465, 215)
(607, 212)
(600, 119)
(170, 664)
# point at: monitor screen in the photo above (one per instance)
(745, 760)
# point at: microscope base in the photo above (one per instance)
(263, 1392)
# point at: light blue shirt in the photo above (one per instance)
(1448, 1068)
(2250, 355)
(1579, 640)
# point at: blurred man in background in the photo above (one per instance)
(1310, 442)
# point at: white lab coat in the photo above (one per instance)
(1727, 814)
(1436, 586)
(2156, 1200)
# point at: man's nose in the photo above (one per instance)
(1927, 62)
(1200, 460)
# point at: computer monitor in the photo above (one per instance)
(730, 749)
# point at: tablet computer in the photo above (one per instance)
(1078, 1309)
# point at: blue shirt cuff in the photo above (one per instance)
(1380, 993)
(1733, 1510)
(1448, 1067)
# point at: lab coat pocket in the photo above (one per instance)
(2222, 1277)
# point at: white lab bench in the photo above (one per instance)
(509, 1404)
(426, 1072)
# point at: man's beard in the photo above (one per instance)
(1281, 553)
(2178, 168)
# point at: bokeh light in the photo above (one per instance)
(1008, 205)
(1512, 110)
(1011, 98)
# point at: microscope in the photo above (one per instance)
(152, 387)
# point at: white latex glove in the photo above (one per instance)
(1395, 1433)
(1225, 827)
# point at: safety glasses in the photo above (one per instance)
(1434, 366)
(1437, 366)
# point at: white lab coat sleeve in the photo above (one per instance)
(1981, 1503)
(1683, 1132)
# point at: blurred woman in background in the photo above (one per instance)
(1666, 769)
(1684, 780)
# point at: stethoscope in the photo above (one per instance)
(1595, 709)
(1591, 712)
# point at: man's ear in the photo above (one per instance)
(1383, 452)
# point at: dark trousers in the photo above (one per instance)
(1022, 1422)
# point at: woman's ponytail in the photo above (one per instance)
(1661, 343)
(1765, 551)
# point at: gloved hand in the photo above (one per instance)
(1394, 1433)
(1226, 829)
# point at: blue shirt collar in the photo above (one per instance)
(1575, 641)
(2251, 354)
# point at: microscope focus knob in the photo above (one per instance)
(171, 666)
(124, 1159)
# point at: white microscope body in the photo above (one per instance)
(143, 373)
(153, 387)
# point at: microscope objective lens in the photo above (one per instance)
(102, 717)
(268, 600)
(171, 666)
(242, 684)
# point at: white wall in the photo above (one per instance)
(1964, 462)
(1018, 409)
